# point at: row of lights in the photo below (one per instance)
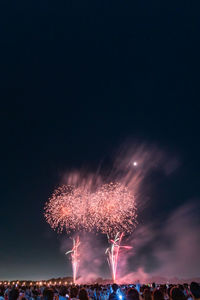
(33, 283)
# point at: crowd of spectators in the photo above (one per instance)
(101, 292)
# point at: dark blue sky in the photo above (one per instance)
(76, 79)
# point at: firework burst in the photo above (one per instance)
(108, 209)
(116, 209)
(68, 209)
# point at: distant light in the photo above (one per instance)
(135, 163)
(120, 296)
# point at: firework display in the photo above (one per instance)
(116, 209)
(108, 209)
(68, 209)
(74, 257)
(103, 201)
(113, 253)
(88, 203)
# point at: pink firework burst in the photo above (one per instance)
(116, 208)
(109, 209)
(68, 209)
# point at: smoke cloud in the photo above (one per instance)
(168, 252)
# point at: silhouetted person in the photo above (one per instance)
(158, 295)
(63, 292)
(177, 294)
(147, 294)
(14, 294)
(74, 292)
(113, 295)
(83, 295)
(195, 290)
(132, 294)
(1, 295)
(48, 294)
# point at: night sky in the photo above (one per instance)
(77, 79)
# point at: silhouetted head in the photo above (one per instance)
(48, 294)
(195, 290)
(1, 293)
(132, 294)
(177, 294)
(63, 291)
(14, 294)
(115, 287)
(158, 295)
(73, 292)
(147, 294)
(83, 295)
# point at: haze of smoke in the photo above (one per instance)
(92, 259)
(158, 254)
(167, 251)
(181, 256)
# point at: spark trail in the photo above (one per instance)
(113, 253)
(74, 257)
